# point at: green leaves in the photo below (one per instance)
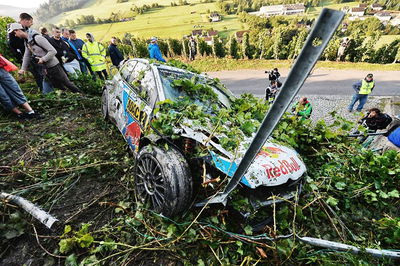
(73, 239)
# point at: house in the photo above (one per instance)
(212, 33)
(363, 5)
(395, 21)
(353, 18)
(197, 33)
(239, 35)
(274, 10)
(215, 17)
(209, 40)
(293, 9)
(376, 7)
(357, 11)
(383, 16)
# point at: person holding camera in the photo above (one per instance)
(40, 50)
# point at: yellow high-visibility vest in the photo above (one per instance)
(366, 87)
(95, 53)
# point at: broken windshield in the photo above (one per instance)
(171, 92)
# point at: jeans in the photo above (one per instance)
(361, 98)
(82, 65)
(10, 93)
(47, 87)
(72, 67)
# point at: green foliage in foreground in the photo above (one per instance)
(75, 165)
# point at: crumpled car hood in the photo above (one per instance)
(274, 165)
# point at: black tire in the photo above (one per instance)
(163, 180)
(104, 103)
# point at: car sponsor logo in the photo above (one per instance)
(283, 167)
(271, 152)
(132, 135)
(137, 113)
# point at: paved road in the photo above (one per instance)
(321, 82)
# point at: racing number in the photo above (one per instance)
(139, 115)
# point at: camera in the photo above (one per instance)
(35, 60)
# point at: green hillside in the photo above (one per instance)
(163, 22)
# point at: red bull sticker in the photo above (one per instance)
(132, 135)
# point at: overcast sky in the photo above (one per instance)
(22, 3)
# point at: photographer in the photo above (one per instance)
(273, 75)
(39, 49)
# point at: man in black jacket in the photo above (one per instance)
(65, 54)
(115, 54)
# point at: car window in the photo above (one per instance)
(126, 69)
(143, 81)
(168, 76)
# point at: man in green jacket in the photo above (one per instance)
(302, 109)
(362, 89)
(95, 53)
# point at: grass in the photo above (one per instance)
(219, 64)
(165, 22)
(328, 4)
(103, 9)
(386, 39)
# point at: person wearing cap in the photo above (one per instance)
(11, 95)
(115, 54)
(40, 50)
(95, 53)
(154, 50)
(17, 47)
(362, 88)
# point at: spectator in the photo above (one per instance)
(45, 33)
(271, 91)
(65, 54)
(44, 53)
(115, 54)
(95, 53)
(363, 88)
(78, 43)
(274, 75)
(302, 109)
(17, 46)
(192, 48)
(154, 50)
(11, 95)
(376, 120)
(342, 48)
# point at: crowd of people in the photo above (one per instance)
(52, 57)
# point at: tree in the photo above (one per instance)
(245, 46)
(233, 48)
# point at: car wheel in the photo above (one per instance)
(163, 180)
(104, 103)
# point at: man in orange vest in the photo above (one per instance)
(363, 88)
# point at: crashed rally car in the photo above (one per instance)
(183, 157)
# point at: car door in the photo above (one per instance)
(139, 96)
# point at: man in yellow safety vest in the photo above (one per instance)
(95, 53)
(363, 88)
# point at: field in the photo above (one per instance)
(173, 22)
(328, 4)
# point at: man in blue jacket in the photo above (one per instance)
(115, 54)
(154, 50)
